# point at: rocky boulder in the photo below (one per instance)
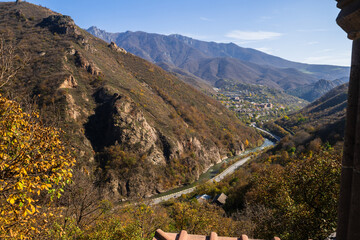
(69, 82)
(115, 47)
(332, 236)
(85, 64)
(60, 24)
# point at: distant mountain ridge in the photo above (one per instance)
(315, 90)
(323, 118)
(215, 61)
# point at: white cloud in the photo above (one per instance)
(252, 36)
(312, 43)
(205, 19)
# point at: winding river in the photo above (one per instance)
(212, 174)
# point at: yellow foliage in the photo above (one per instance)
(33, 160)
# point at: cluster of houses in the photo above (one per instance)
(263, 105)
(248, 107)
(219, 199)
(239, 105)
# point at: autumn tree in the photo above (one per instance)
(302, 196)
(34, 161)
(202, 218)
(135, 222)
(10, 61)
(83, 202)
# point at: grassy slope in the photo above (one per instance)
(324, 118)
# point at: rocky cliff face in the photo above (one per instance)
(118, 121)
(60, 24)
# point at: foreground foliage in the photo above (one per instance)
(139, 222)
(34, 162)
(293, 197)
(302, 196)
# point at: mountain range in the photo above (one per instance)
(311, 92)
(212, 61)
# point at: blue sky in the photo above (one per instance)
(298, 30)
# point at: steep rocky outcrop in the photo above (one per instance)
(60, 24)
(85, 64)
(69, 82)
(119, 121)
(115, 47)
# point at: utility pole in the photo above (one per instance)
(349, 201)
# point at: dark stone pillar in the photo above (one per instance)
(349, 201)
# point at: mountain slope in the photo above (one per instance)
(331, 107)
(212, 49)
(323, 118)
(313, 91)
(213, 61)
(137, 128)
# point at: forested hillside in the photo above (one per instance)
(136, 129)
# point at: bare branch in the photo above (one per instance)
(10, 62)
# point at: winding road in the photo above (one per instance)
(231, 169)
(266, 132)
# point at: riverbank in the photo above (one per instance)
(211, 175)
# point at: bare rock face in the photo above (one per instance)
(140, 184)
(93, 69)
(70, 51)
(119, 121)
(132, 129)
(88, 66)
(60, 24)
(73, 110)
(205, 154)
(241, 149)
(115, 47)
(69, 82)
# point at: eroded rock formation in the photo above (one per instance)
(69, 82)
(115, 47)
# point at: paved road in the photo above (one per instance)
(217, 178)
(170, 196)
(231, 169)
(268, 133)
